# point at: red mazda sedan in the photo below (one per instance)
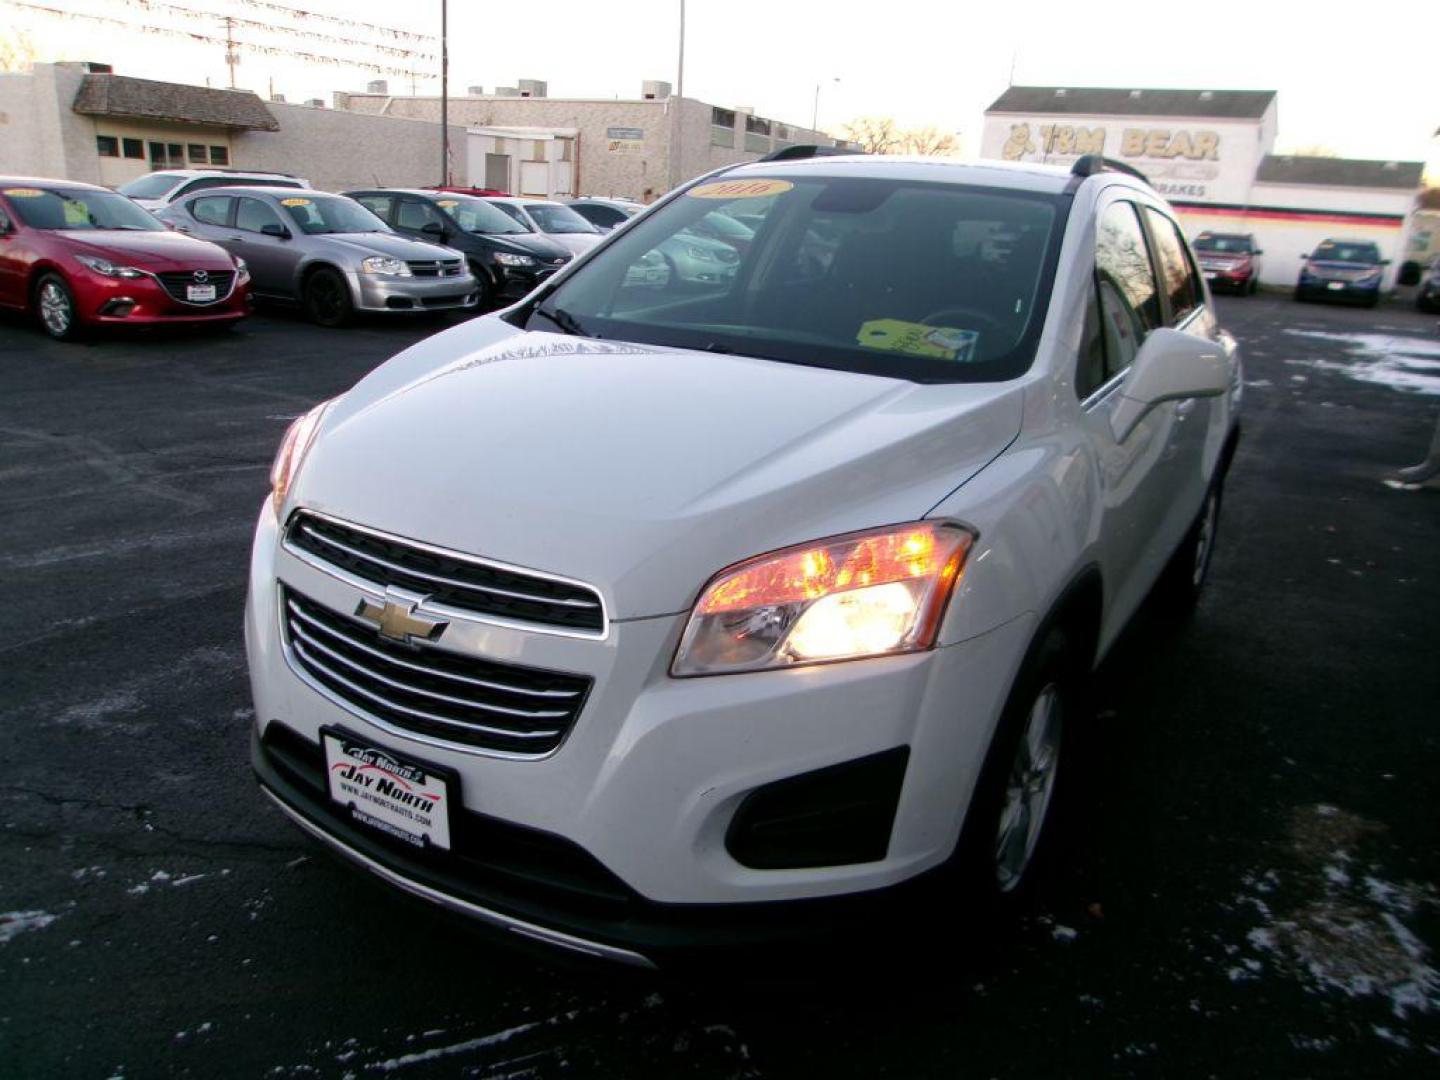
(81, 256)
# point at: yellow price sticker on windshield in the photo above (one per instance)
(294, 202)
(918, 339)
(740, 189)
(24, 192)
(447, 203)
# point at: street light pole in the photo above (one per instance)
(677, 166)
(815, 116)
(444, 93)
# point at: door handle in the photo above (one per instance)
(237, 239)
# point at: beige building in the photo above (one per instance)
(632, 148)
(75, 121)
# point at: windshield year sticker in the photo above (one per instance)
(740, 189)
(919, 339)
(447, 203)
(24, 192)
(294, 202)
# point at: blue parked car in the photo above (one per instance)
(1342, 270)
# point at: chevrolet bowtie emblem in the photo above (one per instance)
(397, 619)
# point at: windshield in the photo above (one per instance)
(478, 216)
(554, 218)
(922, 281)
(1330, 251)
(1223, 245)
(331, 214)
(154, 186)
(77, 208)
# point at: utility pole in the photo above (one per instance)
(677, 165)
(231, 56)
(815, 116)
(444, 92)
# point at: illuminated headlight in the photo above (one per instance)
(107, 268)
(242, 271)
(291, 455)
(383, 264)
(504, 258)
(872, 593)
(699, 253)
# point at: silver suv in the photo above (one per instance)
(325, 252)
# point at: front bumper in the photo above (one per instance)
(144, 302)
(640, 795)
(517, 281)
(1329, 289)
(379, 292)
(1227, 277)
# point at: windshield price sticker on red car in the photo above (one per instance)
(447, 203)
(740, 189)
(395, 797)
(24, 192)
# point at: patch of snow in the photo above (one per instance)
(14, 923)
(1393, 360)
(1064, 933)
(435, 1053)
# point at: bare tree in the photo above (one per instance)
(929, 141)
(17, 51)
(874, 134)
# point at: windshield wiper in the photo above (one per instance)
(565, 321)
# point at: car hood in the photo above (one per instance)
(361, 245)
(542, 247)
(576, 243)
(641, 470)
(155, 251)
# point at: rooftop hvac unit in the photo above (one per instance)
(475, 91)
(377, 86)
(654, 89)
(279, 99)
(315, 102)
(507, 91)
(533, 88)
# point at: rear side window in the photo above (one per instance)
(211, 210)
(1175, 269)
(414, 214)
(253, 215)
(379, 205)
(1129, 299)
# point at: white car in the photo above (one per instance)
(634, 618)
(553, 219)
(157, 190)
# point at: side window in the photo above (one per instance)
(1125, 281)
(1175, 268)
(379, 205)
(211, 210)
(515, 213)
(415, 214)
(253, 215)
(1090, 374)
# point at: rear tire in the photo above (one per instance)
(327, 299)
(1183, 579)
(55, 307)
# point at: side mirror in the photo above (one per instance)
(1384, 262)
(1170, 366)
(433, 228)
(274, 228)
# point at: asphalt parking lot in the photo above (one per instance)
(1253, 884)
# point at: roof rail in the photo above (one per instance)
(1090, 164)
(805, 150)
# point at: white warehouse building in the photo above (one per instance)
(1210, 153)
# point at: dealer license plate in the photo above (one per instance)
(199, 293)
(1336, 285)
(386, 792)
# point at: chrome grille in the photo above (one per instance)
(431, 691)
(437, 267)
(176, 282)
(448, 578)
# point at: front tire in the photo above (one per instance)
(1010, 821)
(327, 299)
(484, 288)
(55, 307)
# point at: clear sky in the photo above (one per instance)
(1361, 80)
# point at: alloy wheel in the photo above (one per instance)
(1029, 789)
(56, 309)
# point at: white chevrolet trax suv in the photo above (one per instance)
(656, 613)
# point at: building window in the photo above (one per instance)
(757, 135)
(219, 155)
(722, 127)
(107, 145)
(134, 148)
(756, 125)
(198, 154)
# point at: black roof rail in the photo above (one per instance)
(805, 150)
(1090, 164)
